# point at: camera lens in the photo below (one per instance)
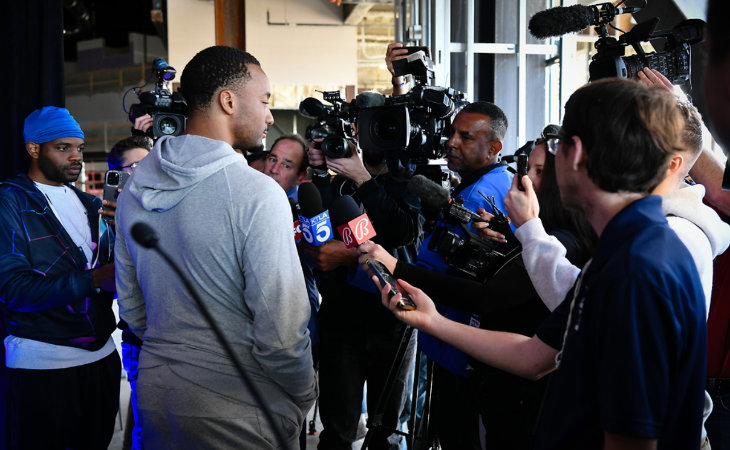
(168, 126)
(112, 178)
(336, 147)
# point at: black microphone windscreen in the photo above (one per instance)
(369, 99)
(559, 21)
(343, 210)
(432, 195)
(311, 107)
(144, 235)
(310, 201)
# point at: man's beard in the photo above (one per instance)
(55, 173)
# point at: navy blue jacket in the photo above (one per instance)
(45, 292)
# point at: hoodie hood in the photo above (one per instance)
(687, 204)
(175, 166)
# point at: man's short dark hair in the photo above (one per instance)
(497, 118)
(299, 140)
(211, 70)
(114, 158)
(628, 131)
(717, 13)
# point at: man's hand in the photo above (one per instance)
(521, 205)
(394, 53)
(143, 123)
(422, 317)
(652, 77)
(109, 210)
(316, 157)
(330, 255)
(103, 277)
(371, 250)
(351, 168)
(486, 232)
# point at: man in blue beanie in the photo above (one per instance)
(63, 368)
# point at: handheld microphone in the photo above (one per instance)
(572, 19)
(354, 226)
(295, 216)
(314, 220)
(147, 237)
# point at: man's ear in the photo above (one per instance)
(33, 149)
(227, 101)
(676, 163)
(495, 147)
(575, 153)
(301, 177)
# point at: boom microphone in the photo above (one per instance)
(314, 220)
(354, 226)
(572, 19)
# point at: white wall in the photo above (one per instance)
(314, 49)
(190, 29)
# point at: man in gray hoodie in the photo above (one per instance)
(229, 227)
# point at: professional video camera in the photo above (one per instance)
(168, 110)
(674, 61)
(478, 257)
(418, 122)
(334, 123)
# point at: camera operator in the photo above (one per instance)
(358, 337)
(396, 52)
(472, 150)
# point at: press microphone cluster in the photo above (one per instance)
(572, 19)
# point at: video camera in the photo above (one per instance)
(168, 110)
(478, 257)
(334, 123)
(674, 62)
(418, 122)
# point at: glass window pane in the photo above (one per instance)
(457, 74)
(458, 20)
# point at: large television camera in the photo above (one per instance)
(674, 62)
(168, 109)
(333, 123)
(468, 252)
(418, 122)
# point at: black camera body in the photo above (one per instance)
(675, 62)
(334, 123)
(168, 109)
(418, 122)
(468, 252)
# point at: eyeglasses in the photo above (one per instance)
(552, 141)
(129, 168)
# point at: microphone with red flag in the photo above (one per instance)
(353, 225)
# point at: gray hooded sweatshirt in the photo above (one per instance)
(229, 227)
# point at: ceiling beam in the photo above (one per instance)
(357, 13)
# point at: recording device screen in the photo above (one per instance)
(417, 48)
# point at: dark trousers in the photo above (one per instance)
(718, 424)
(454, 417)
(72, 408)
(349, 356)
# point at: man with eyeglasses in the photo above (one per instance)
(629, 340)
(63, 368)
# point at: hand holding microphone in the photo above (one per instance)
(355, 229)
